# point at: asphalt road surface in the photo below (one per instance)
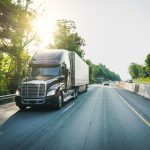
(104, 118)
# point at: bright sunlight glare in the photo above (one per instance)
(44, 27)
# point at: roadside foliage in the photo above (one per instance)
(100, 73)
(15, 35)
(140, 73)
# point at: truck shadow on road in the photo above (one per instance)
(30, 117)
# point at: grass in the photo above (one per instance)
(142, 80)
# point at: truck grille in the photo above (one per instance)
(32, 90)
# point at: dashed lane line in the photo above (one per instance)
(67, 108)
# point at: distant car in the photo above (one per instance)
(106, 83)
(129, 81)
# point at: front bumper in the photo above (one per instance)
(45, 101)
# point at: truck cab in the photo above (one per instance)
(49, 82)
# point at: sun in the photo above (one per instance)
(44, 27)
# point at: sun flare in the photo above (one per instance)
(44, 27)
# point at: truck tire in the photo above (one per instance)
(77, 93)
(59, 101)
(74, 94)
(21, 107)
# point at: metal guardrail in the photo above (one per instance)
(7, 97)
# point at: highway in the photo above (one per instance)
(104, 118)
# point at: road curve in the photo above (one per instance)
(98, 119)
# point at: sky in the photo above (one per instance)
(117, 32)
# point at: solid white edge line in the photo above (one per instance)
(67, 108)
(139, 115)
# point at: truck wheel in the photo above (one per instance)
(59, 101)
(76, 91)
(74, 94)
(21, 107)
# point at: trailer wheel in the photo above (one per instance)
(21, 107)
(59, 101)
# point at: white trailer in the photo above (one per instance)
(80, 72)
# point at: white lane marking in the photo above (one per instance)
(67, 108)
(139, 115)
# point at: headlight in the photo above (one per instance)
(17, 93)
(52, 92)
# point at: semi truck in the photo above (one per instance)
(54, 77)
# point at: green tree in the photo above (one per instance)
(134, 70)
(147, 68)
(107, 74)
(92, 71)
(4, 61)
(66, 37)
(100, 71)
(147, 60)
(139, 72)
(15, 35)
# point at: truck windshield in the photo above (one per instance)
(53, 71)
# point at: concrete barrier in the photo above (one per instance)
(141, 89)
(128, 86)
(144, 90)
